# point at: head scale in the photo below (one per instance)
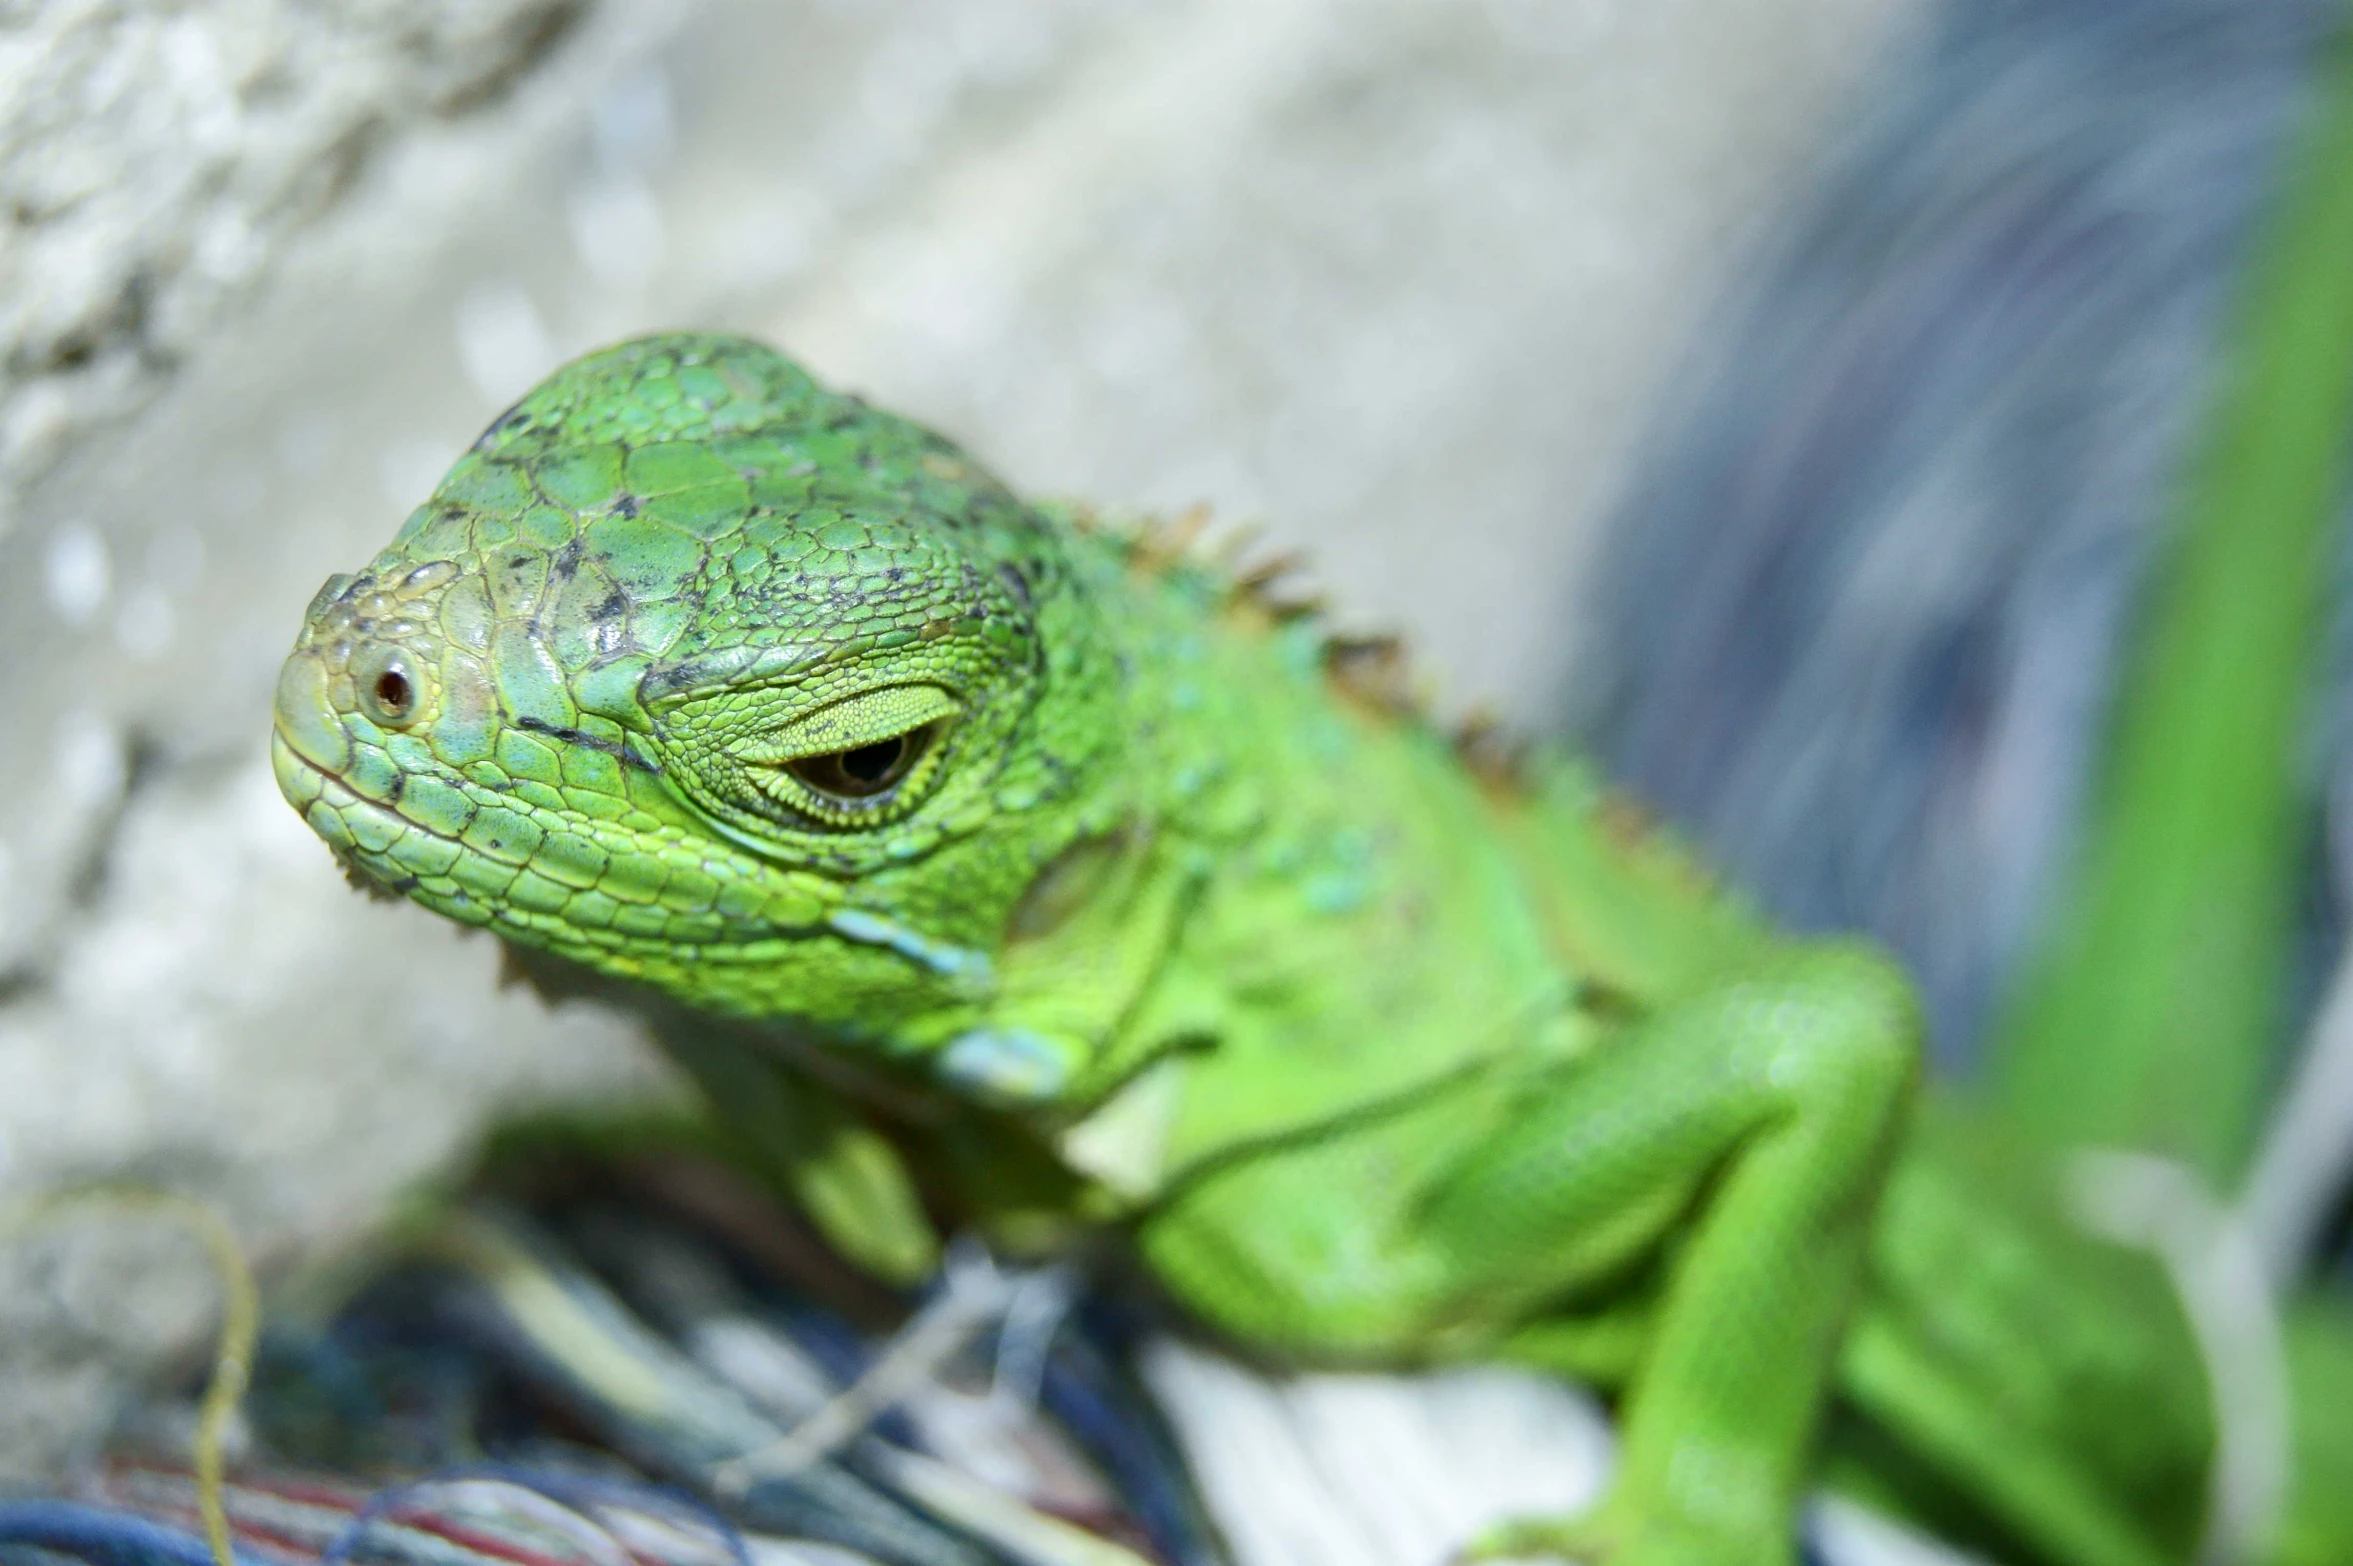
(705, 676)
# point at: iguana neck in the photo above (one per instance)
(1303, 887)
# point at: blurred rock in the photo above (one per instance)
(1399, 278)
(154, 161)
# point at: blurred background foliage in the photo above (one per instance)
(1868, 619)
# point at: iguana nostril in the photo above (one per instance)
(392, 693)
(387, 684)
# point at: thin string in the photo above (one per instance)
(233, 1348)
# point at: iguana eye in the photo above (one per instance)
(854, 765)
(865, 771)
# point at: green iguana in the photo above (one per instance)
(996, 867)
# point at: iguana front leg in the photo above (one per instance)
(1754, 1119)
(840, 1172)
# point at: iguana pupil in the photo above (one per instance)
(870, 764)
(874, 763)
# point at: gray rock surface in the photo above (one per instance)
(1397, 277)
(155, 159)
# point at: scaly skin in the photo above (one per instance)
(965, 845)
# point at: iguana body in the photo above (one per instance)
(966, 847)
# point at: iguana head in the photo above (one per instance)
(702, 675)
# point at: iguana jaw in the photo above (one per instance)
(674, 907)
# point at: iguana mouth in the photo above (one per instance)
(326, 798)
